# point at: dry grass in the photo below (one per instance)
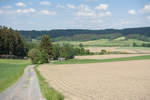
(127, 80)
(109, 56)
(126, 50)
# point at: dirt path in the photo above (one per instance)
(126, 80)
(27, 88)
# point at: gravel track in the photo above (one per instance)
(27, 87)
(126, 80)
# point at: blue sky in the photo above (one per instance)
(74, 14)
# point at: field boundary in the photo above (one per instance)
(48, 92)
(84, 61)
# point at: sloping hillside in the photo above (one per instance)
(142, 33)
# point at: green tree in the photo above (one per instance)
(11, 43)
(34, 55)
(46, 45)
(134, 44)
(44, 57)
(56, 51)
(81, 45)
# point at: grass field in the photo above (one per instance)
(83, 61)
(10, 71)
(106, 42)
(108, 56)
(48, 92)
(135, 48)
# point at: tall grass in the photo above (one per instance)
(48, 92)
(10, 71)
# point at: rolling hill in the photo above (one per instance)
(142, 33)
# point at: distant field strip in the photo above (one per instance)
(84, 61)
(10, 71)
(105, 42)
(127, 80)
(135, 50)
(108, 56)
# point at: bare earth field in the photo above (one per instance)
(109, 56)
(98, 49)
(126, 80)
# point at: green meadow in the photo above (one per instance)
(10, 71)
(106, 42)
(84, 61)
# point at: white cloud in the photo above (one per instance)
(108, 13)
(7, 7)
(45, 3)
(103, 14)
(148, 17)
(102, 6)
(60, 6)
(46, 12)
(84, 10)
(30, 10)
(1, 11)
(85, 14)
(5, 11)
(146, 9)
(124, 22)
(70, 6)
(20, 4)
(91, 0)
(132, 12)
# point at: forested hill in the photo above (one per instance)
(85, 34)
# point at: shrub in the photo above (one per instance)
(34, 55)
(64, 51)
(44, 57)
(103, 52)
(56, 50)
(67, 51)
(81, 51)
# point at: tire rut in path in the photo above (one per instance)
(26, 88)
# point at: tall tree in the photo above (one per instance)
(46, 45)
(11, 43)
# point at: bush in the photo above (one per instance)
(56, 50)
(81, 51)
(103, 51)
(34, 55)
(68, 51)
(145, 45)
(64, 51)
(44, 57)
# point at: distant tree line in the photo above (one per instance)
(79, 34)
(142, 45)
